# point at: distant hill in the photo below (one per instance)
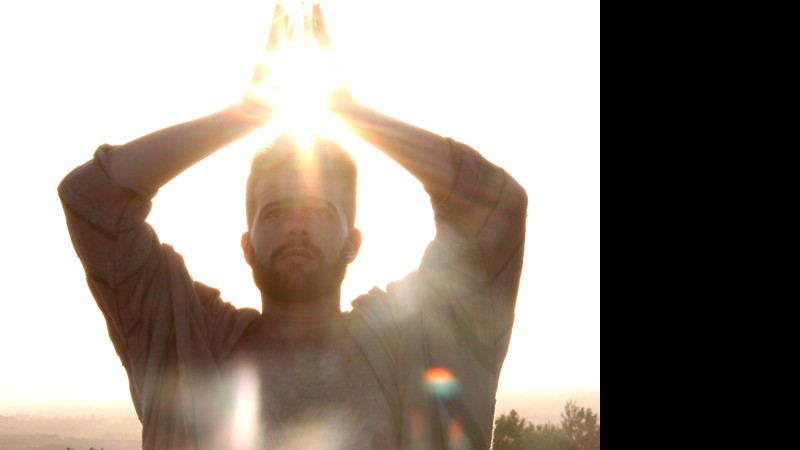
(106, 427)
(94, 425)
(55, 442)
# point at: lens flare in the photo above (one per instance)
(416, 426)
(247, 414)
(328, 434)
(440, 382)
(300, 77)
(456, 438)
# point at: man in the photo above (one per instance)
(413, 367)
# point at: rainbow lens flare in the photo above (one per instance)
(440, 382)
(456, 438)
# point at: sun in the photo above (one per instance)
(300, 75)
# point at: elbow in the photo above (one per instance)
(515, 201)
(65, 182)
(65, 188)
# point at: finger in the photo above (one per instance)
(318, 28)
(280, 23)
(307, 26)
(259, 73)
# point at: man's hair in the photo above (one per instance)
(324, 157)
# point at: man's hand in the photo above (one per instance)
(147, 163)
(260, 87)
(340, 97)
(297, 74)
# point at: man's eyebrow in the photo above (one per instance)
(316, 201)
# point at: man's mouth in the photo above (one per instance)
(297, 252)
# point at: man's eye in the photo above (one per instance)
(320, 212)
(274, 213)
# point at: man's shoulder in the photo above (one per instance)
(388, 311)
(211, 300)
(368, 300)
(372, 308)
(399, 300)
(380, 303)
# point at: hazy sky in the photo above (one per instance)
(517, 80)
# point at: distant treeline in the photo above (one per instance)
(579, 430)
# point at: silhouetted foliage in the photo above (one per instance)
(547, 437)
(579, 430)
(581, 426)
(511, 432)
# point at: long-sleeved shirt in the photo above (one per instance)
(435, 340)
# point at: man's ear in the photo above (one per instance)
(355, 244)
(247, 249)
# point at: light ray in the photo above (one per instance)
(247, 410)
(456, 438)
(301, 75)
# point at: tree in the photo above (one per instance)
(579, 430)
(511, 432)
(547, 437)
(580, 426)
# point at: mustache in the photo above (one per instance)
(276, 254)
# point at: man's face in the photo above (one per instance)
(299, 237)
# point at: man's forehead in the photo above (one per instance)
(293, 185)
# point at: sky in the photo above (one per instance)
(517, 80)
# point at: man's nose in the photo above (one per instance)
(298, 234)
(298, 225)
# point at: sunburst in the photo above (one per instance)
(300, 73)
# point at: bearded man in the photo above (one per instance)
(414, 366)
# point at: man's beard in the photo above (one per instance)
(282, 284)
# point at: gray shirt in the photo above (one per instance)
(422, 357)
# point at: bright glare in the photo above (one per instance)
(247, 410)
(300, 77)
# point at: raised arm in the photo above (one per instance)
(461, 299)
(474, 264)
(147, 163)
(474, 201)
(434, 160)
(159, 319)
(471, 196)
(455, 312)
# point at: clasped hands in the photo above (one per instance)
(297, 73)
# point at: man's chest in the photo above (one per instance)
(311, 397)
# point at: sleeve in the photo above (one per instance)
(471, 270)
(438, 337)
(158, 318)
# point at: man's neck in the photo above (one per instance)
(301, 322)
